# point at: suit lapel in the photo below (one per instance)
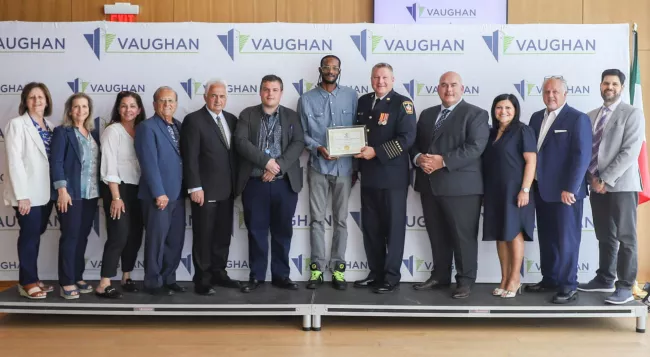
(163, 127)
(74, 142)
(560, 117)
(33, 133)
(618, 113)
(447, 120)
(255, 123)
(284, 126)
(212, 124)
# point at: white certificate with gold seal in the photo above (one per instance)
(346, 140)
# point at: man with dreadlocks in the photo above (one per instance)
(327, 105)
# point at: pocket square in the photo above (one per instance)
(560, 131)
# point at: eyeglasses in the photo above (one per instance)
(553, 77)
(328, 68)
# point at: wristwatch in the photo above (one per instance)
(526, 189)
(117, 199)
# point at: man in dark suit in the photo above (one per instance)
(269, 140)
(163, 203)
(209, 165)
(564, 152)
(384, 166)
(450, 140)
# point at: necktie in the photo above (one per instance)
(444, 115)
(598, 136)
(223, 132)
(376, 102)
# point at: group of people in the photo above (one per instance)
(144, 169)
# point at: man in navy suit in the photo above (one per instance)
(158, 150)
(564, 151)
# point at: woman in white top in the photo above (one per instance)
(120, 175)
(27, 142)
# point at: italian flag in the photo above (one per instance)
(636, 100)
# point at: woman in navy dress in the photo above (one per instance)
(509, 162)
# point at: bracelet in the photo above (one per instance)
(117, 199)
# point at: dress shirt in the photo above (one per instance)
(319, 110)
(612, 108)
(547, 123)
(119, 161)
(442, 108)
(218, 118)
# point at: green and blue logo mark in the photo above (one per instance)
(143, 45)
(78, 85)
(369, 43)
(501, 44)
(421, 89)
(417, 265)
(418, 11)
(235, 42)
(530, 89)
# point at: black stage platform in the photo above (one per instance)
(325, 301)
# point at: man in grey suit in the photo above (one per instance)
(447, 152)
(615, 181)
(269, 140)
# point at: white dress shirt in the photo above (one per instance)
(549, 119)
(119, 162)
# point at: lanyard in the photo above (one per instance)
(269, 131)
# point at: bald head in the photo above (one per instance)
(450, 88)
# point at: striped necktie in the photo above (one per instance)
(223, 132)
(598, 136)
(442, 118)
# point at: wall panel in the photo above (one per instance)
(545, 11)
(35, 10)
(622, 11)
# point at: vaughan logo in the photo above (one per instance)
(78, 85)
(192, 87)
(302, 86)
(420, 89)
(238, 265)
(247, 44)
(32, 44)
(501, 44)
(535, 267)
(10, 88)
(145, 45)
(387, 45)
(9, 266)
(530, 89)
(187, 263)
(417, 265)
(301, 263)
(417, 11)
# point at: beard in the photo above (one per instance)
(329, 81)
(610, 96)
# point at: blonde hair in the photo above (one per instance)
(89, 123)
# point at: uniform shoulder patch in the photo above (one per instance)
(408, 106)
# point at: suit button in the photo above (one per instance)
(370, 117)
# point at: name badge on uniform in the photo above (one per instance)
(383, 119)
(408, 107)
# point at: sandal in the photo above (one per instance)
(32, 291)
(46, 288)
(84, 288)
(109, 293)
(129, 286)
(69, 294)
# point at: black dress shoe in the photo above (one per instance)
(540, 288)
(431, 283)
(109, 293)
(285, 283)
(176, 288)
(252, 285)
(160, 291)
(129, 286)
(204, 290)
(367, 283)
(226, 282)
(385, 288)
(461, 292)
(565, 298)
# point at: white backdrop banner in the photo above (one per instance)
(101, 59)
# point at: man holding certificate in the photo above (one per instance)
(327, 115)
(384, 166)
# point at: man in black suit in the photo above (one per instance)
(269, 140)
(450, 140)
(209, 168)
(389, 118)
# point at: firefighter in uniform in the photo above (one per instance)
(384, 166)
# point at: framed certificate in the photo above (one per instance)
(346, 140)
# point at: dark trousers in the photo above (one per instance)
(269, 205)
(124, 235)
(76, 224)
(383, 222)
(211, 232)
(32, 225)
(452, 224)
(559, 228)
(163, 242)
(615, 217)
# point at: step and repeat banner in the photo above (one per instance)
(101, 59)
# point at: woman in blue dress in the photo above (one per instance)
(509, 162)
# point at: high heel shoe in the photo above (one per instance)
(507, 294)
(497, 292)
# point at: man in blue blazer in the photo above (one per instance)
(564, 151)
(158, 150)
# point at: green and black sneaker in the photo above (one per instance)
(338, 277)
(316, 279)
